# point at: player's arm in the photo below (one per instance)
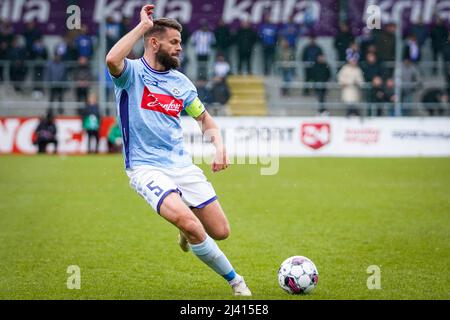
(116, 56)
(212, 132)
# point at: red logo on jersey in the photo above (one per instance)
(161, 103)
(315, 135)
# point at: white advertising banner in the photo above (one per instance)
(294, 136)
(271, 136)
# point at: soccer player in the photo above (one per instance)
(151, 94)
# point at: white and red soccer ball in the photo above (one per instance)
(298, 275)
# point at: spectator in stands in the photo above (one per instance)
(203, 91)
(377, 97)
(446, 53)
(439, 35)
(434, 100)
(39, 56)
(389, 94)
(245, 40)
(411, 50)
(4, 56)
(224, 39)
(385, 41)
(66, 49)
(286, 59)
(184, 59)
(221, 66)
(83, 43)
(366, 43)
(220, 91)
(82, 77)
(6, 32)
(18, 69)
(351, 80)
(420, 31)
(45, 133)
(31, 34)
(411, 81)
(343, 40)
(56, 76)
(203, 40)
(114, 138)
(290, 32)
(352, 52)
(321, 75)
(91, 122)
(309, 57)
(125, 26)
(268, 35)
(372, 68)
(113, 32)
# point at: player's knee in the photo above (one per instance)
(192, 229)
(221, 233)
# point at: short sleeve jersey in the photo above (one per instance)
(149, 103)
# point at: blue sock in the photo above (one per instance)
(211, 255)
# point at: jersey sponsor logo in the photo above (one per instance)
(161, 103)
(315, 135)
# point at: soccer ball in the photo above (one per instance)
(298, 275)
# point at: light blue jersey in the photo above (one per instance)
(149, 103)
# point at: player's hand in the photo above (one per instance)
(220, 161)
(146, 15)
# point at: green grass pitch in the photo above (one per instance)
(344, 214)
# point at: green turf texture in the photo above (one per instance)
(344, 214)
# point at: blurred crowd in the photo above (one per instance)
(365, 73)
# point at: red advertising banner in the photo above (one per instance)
(16, 135)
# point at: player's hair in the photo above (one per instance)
(161, 25)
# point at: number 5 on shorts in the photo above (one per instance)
(156, 190)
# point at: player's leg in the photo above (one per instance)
(160, 191)
(213, 220)
(174, 210)
(199, 194)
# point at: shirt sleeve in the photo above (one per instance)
(124, 79)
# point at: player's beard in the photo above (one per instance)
(167, 61)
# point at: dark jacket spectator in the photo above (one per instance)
(45, 134)
(39, 55)
(434, 100)
(245, 40)
(420, 31)
(18, 70)
(224, 39)
(309, 57)
(377, 97)
(446, 53)
(321, 75)
(439, 34)
(343, 40)
(31, 34)
(82, 77)
(55, 76)
(372, 68)
(220, 91)
(203, 92)
(385, 38)
(91, 122)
